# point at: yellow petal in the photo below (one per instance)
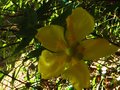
(79, 24)
(78, 75)
(51, 64)
(52, 37)
(97, 48)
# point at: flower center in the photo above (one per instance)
(69, 51)
(75, 51)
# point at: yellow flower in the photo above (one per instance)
(70, 49)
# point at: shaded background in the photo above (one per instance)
(19, 50)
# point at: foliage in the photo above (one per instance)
(19, 49)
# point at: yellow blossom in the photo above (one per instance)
(70, 49)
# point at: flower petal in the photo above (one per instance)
(51, 64)
(79, 24)
(52, 37)
(78, 75)
(97, 48)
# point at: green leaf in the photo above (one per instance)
(13, 80)
(62, 17)
(28, 75)
(1, 76)
(27, 23)
(34, 53)
(42, 12)
(22, 45)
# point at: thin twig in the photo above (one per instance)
(12, 77)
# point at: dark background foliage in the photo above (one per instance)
(19, 50)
